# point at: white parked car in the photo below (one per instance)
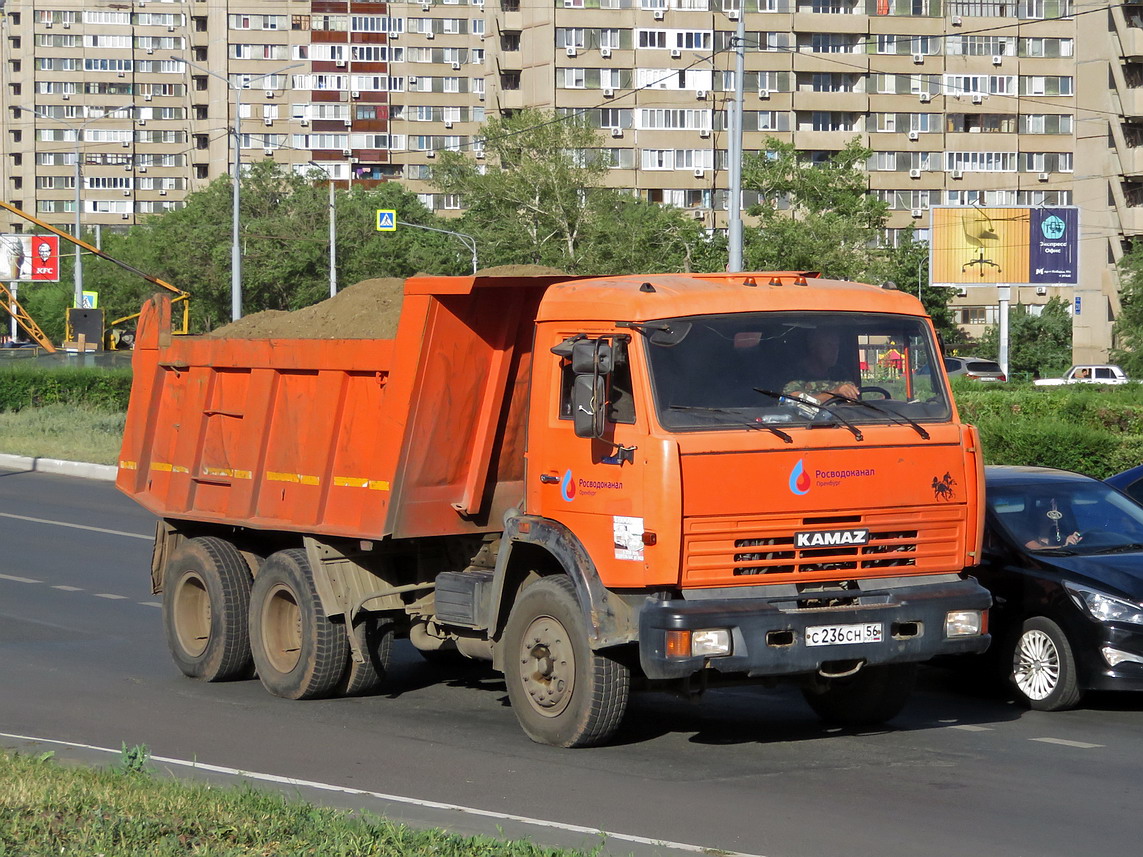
(1089, 373)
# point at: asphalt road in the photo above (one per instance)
(83, 660)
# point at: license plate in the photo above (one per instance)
(844, 635)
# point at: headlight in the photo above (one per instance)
(709, 643)
(965, 623)
(1103, 607)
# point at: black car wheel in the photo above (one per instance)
(1043, 667)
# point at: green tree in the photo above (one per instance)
(907, 265)
(814, 215)
(1037, 344)
(530, 200)
(285, 245)
(1128, 350)
(626, 235)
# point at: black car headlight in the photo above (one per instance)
(1104, 607)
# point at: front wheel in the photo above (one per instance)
(563, 693)
(299, 652)
(869, 697)
(1043, 668)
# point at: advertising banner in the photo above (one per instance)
(1055, 239)
(975, 245)
(34, 258)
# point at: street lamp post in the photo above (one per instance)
(78, 278)
(235, 246)
(332, 230)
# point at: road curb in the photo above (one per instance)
(81, 469)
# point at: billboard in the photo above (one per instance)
(34, 258)
(971, 246)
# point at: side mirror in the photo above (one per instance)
(591, 357)
(589, 404)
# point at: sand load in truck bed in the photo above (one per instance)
(366, 310)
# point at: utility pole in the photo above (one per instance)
(79, 129)
(332, 230)
(734, 147)
(235, 246)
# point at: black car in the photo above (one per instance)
(1130, 482)
(1063, 559)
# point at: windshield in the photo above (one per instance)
(778, 370)
(1077, 517)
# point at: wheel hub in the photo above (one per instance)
(547, 666)
(1037, 667)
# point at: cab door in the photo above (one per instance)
(592, 485)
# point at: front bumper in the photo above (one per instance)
(768, 632)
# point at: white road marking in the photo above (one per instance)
(149, 604)
(18, 579)
(968, 727)
(428, 804)
(108, 595)
(1063, 742)
(75, 526)
(62, 588)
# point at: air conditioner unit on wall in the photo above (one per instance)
(704, 132)
(1043, 177)
(699, 172)
(1041, 290)
(918, 58)
(956, 174)
(914, 174)
(571, 51)
(977, 98)
(926, 98)
(676, 53)
(701, 95)
(605, 53)
(997, 59)
(914, 135)
(609, 93)
(956, 20)
(917, 212)
(616, 132)
(659, 14)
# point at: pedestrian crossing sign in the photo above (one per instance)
(386, 220)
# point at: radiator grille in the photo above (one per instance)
(740, 551)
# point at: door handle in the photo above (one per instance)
(548, 479)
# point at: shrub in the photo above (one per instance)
(33, 386)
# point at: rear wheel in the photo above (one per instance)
(1043, 668)
(870, 696)
(299, 652)
(563, 693)
(206, 600)
(375, 637)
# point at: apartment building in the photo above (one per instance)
(964, 102)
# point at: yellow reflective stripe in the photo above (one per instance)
(299, 478)
(164, 467)
(128, 465)
(357, 482)
(230, 472)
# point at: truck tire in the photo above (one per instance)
(562, 692)
(206, 601)
(299, 652)
(869, 697)
(375, 636)
(1042, 667)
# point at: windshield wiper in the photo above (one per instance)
(817, 406)
(754, 426)
(1127, 548)
(900, 419)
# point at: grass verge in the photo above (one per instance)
(47, 809)
(63, 431)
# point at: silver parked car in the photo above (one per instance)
(975, 367)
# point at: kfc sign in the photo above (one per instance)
(34, 258)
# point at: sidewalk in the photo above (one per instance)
(105, 472)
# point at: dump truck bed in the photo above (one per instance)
(414, 436)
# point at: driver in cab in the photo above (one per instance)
(818, 377)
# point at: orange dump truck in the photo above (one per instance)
(598, 485)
